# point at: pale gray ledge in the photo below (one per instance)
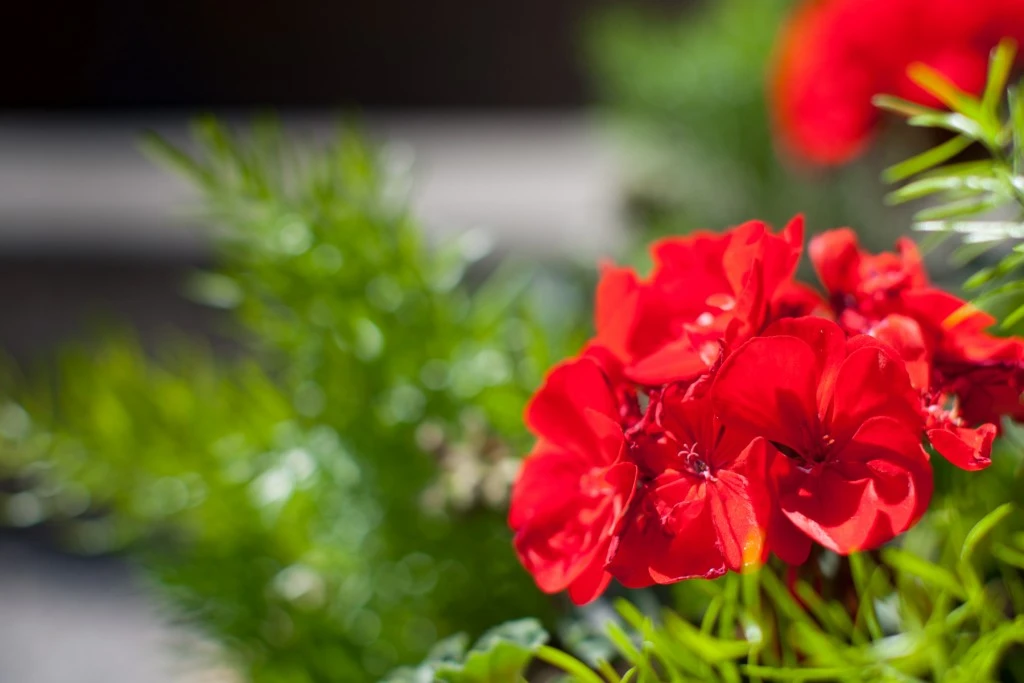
(538, 183)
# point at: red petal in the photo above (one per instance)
(836, 258)
(968, 449)
(679, 361)
(874, 488)
(794, 300)
(872, 382)
(560, 541)
(591, 583)
(616, 307)
(904, 335)
(768, 387)
(790, 544)
(940, 313)
(827, 341)
(693, 549)
(558, 412)
(547, 471)
(913, 264)
(741, 508)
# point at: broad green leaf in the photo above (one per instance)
(450, 649)
(499, 656)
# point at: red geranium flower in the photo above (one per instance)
(575, 486)
(704, 289)
(864, 287)
(966, 377)
(705, 504)
(852, 474)
(833, 56)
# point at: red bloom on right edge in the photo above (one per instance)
(834, 55)
(724, 412)
(966, 378)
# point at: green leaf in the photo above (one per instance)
(980, 530)
(1009, 555)
(1015, 99)
(569, 664)
(450, 649)
(999, 67)
(926, 186)
(932, 574)
(499, 656)
(709, 648)
(958, 209)
(802, 673)
(898, 105)
(1011, 320)
(867, 578)
(165, 154)
(958, 123)
(935, 83)
(965, 254)
(926, 160)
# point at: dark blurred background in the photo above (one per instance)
(83, 78)
(123, 55)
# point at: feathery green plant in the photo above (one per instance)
(327, 509)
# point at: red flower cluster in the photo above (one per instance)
(834, 55)
(723, 411)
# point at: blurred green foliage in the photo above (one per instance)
(330, 507)
(685, 91)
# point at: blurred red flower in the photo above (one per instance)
(833, 56)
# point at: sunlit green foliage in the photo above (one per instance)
(331, 507)
(979, 200)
